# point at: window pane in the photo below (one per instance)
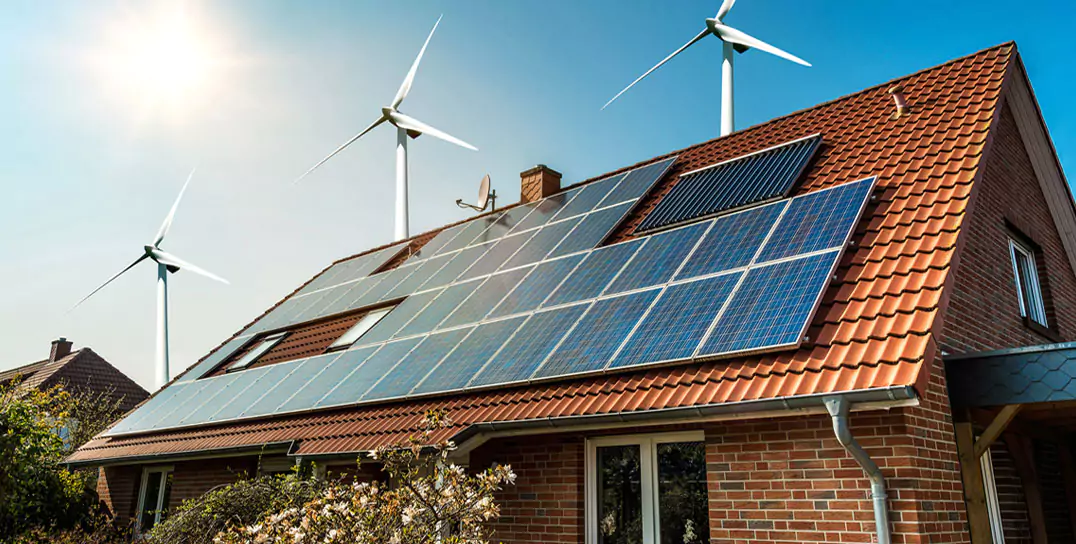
(620, 499)
(163, 506)
(364, 324)
(682, 502)
(149, 501)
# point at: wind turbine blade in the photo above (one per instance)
(410, 123)
(110, 280)
(341, 148)
(163, 231)
(166, 258)
(405, 87)
(732, 35)
(701, 35)
(724, 10)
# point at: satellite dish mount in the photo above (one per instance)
(486, 197)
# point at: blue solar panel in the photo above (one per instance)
(355, 385)
(658, 260)
(134, 421)
(678, 321)
(403, 377)
(772, 306)
(459, 263)
(544, 210)
(350, 294)
(378, 291)
(456, 370)
(434, 246)
(212, 396)
(536, 286)
(214, 359)
(732, 242)
(425, 270)
(445, 303)
(265, 379)
(638, 182)
(176, 408)
(485, 297)
(319, 384)
(594, 228)
(312, 303)
(543, 241)
(595, 272)
(280, 392)
(397, 318)
(504, 223)
(501, 251)
(352, 269)
(597, 335)
(817, 220)
(760, 176)
(589, 197)
(472, 230)
(524, 352)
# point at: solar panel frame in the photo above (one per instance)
(397, 319)
(800, 232)
(353, 387)
(542, 213)
(471, 232)
(500, 253)
(455, 267)
(733, 241)
(591, 231)
(328, 378)
(272, 400)
(437, 243)
(425, 269)
(237, 406)
(588, 198)
(541, 243)
(598, 269)
(521, 355)
(439, 308)
(762, 176)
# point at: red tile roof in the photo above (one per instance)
(79, 369)
(877, 323)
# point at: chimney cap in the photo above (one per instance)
(61, 348)
(539, 168)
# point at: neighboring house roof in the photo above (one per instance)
(875, 331)
(82, 368)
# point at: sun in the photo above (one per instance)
(165, 59)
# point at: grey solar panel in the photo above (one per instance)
(544, 210)
(210, 398)
(346, 301)
(772, 307)
(733, 241)
(210, 362)
(445, 303)
(471, 233)
(537, 286)
(522, 354)
(659, 259)
(147, 410)
(485, 297)
(439, 241)
(181, 406)
(319, 384)
(543, 241)
(423, 271)
(504, 223)
(460, 366)
(355, 385)
(459, 264)
(638, 182)
(592, 230)
(404, 376)
(260, 381)
(497, 255)
(320, 301)
(589, 197)
(817, 220)
(678, 321)
(405, 311)
(591, 277)
(352, 269)
(377, 292)
(760, 176)
(278, 393)
(597, 335)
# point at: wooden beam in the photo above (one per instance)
(996, 427)
(971, 473)
(1023, 457)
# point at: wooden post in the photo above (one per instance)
(971, 473)
(1023, 456)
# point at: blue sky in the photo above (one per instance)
(93, 152)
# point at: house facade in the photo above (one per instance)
(700, 354)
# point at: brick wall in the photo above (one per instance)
(1010, 490)
(192, 479)
(983, 311)
(546, 503)
(117, 488)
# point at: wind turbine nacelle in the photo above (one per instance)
(414, 134)
(172, 269)
(712, 23)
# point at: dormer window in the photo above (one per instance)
(1028, 288)
(256, 352)
(360, 327)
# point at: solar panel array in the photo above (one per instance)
(758, 177)
(772, 265)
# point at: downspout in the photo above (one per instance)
(838, 409)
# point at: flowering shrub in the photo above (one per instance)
(429, 500)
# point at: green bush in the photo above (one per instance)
(244, 502)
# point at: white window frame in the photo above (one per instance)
(147, 473)
(256, 352)
(993, 507)
(1034, 309)
(648, 473)
(368, 321)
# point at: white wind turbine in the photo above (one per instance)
(166, 262)
(405, 126)
(732, 39)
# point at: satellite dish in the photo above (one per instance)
(486, 197)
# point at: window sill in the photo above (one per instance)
(1041, 330)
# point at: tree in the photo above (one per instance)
(429, 501)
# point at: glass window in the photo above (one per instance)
(154, 496)
(360, 327)
(257, 351)
(1028, 289)
(647, 490)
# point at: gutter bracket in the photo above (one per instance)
(838, 408)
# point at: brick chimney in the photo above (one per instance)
(60, 348)
(538, 183)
